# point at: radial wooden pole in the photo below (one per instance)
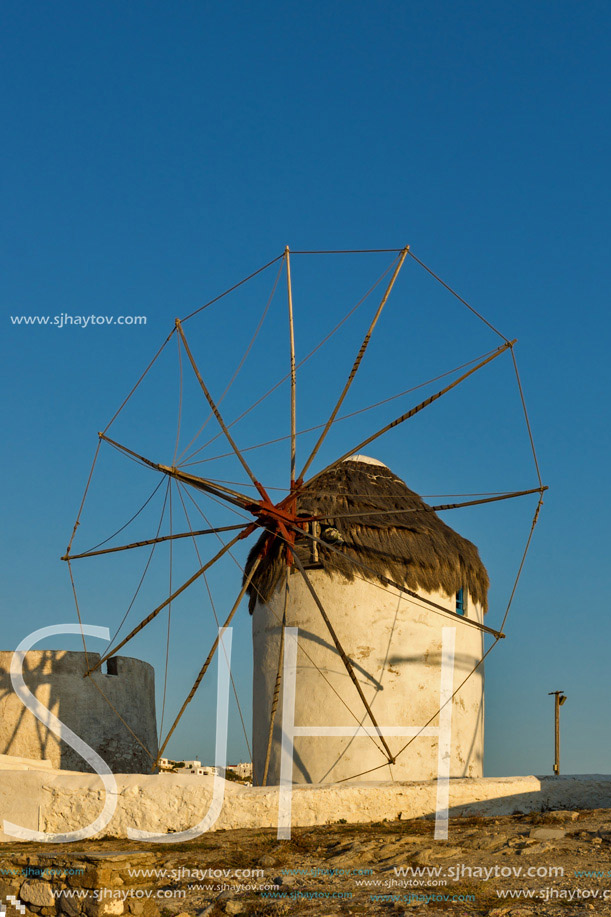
(171, 598)
(214, 408)
(209, 657)
(218, 490)
(162, 538)
(293, 372)
(441, 507)
(356, 364)
(413, 411)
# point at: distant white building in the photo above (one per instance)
(243, 770)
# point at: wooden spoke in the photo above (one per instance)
(345, 659)
(355, 366)
(142, 544)
(293, 373)
(441, 507)
(215, 410)
(416, 410)
(174, 595)
(209, 657)
(225, 493)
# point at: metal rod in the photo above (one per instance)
(171, 598)
(142, 544)
(415, 410)
(356, 364)
(209, 657)
(214, 408)
(557, 735)
(344, 657)
(293, 373)
(559, 699)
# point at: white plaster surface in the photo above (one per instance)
(366, 459)
(55, 677)
(394, 642)
(58, 801)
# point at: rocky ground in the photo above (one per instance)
(554, 863)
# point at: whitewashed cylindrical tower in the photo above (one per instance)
(112, 711)
(375, 529)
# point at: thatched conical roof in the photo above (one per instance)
(415, 548)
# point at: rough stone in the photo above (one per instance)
(547, 834)
(489, 843)
(531, 849)
(235, 907)
(441, 853)
(515, 841)
(37, 893)
(560, 815)
(68, 906)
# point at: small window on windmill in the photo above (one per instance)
(461, 601)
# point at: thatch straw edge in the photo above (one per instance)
(416, 549)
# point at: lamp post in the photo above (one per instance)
(559, 699)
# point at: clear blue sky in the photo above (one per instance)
(153, 154)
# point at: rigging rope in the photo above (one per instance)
(129, 521)
(216, 619)
(253, 525)
(526, 418)
(234, 287)
(148, 368)
(278, 619)
(239, 367)
(355, 365)
(303, 361)
(454, 293)
(167, 645)
(145, 571)
(319, 426)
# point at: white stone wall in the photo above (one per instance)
(54, 802)
(394, 643)
(55, 677)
